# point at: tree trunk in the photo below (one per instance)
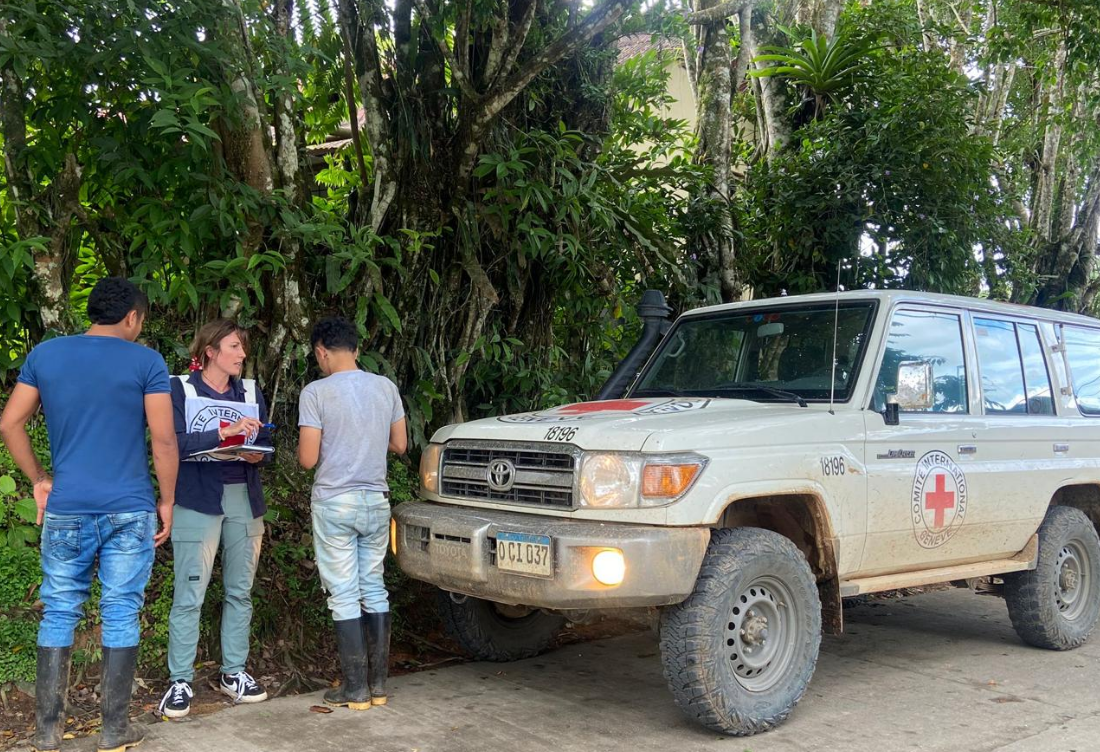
(714, 70)
(291, 315)
(775, 126)
(1042, 207)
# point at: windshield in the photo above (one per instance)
(778, 354)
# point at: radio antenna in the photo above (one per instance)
(836, 326)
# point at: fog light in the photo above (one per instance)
(393, 535)
(609, 567)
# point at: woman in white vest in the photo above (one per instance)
(223, 436)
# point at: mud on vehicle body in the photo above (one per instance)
(767, 460)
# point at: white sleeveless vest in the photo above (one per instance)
(206, 414)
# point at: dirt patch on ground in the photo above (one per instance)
(409, 653)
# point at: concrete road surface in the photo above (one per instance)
(940, 671)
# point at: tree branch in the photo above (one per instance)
(353, 111)
(376, 121)
(744, 53)
(458, 73)
(497, 43)
(718, 12)
(517, 38)
(567, 44)
(462, 36)
(1017, 205)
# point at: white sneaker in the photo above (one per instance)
(242, 687)
(176, 702)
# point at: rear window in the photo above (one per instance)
(1083, 354)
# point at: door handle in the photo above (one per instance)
(968, 449)
(1061, 448)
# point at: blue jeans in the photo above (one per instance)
(350, 535)
(71, 543)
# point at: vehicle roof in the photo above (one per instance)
(889, 297)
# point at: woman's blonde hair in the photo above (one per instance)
(211, 335)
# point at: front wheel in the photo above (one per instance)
(1057, 604)
(740, 651)
(490, 631)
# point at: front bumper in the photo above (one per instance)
(454, 547)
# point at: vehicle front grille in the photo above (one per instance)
(541, 477)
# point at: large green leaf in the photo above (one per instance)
(27, 510)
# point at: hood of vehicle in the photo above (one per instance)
(626, 424)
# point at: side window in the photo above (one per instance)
(1040, 396)
(1001, 368)
(1083, 354)
(935, 338)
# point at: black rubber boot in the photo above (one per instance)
(51, 686)
(116, 687)
(377, 628)
(353, 693)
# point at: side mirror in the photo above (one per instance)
(915, 390)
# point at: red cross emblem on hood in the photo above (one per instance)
(618, 406)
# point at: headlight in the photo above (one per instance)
(429, 468)
(610, 479)
(625, 479)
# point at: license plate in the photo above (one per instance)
(521, 553)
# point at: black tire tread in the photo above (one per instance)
(471, 626)
(1029, 594)
(686, 630)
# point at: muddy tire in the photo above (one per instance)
(1057, 604)
(488, 631)
(739, 652)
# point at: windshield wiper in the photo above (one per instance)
(781, 393)
(659, 391)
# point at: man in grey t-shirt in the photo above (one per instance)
(347, 422)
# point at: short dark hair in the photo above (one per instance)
(335, 333)
(114, 297)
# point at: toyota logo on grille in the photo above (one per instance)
(501, 475)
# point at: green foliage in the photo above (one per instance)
(17, 515)
(153, 648)
(17, 508)
(891, 183)
(19, 577)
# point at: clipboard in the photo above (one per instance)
(233, 453)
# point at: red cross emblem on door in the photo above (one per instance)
(939, 501)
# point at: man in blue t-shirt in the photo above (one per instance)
(98, 391)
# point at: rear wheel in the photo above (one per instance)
(1057, 604)
(495, 632)
(740, 651)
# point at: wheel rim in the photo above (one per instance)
(760, 633)
(1073, 580)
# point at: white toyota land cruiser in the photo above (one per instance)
(771, 458)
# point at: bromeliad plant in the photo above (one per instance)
(822, 68)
